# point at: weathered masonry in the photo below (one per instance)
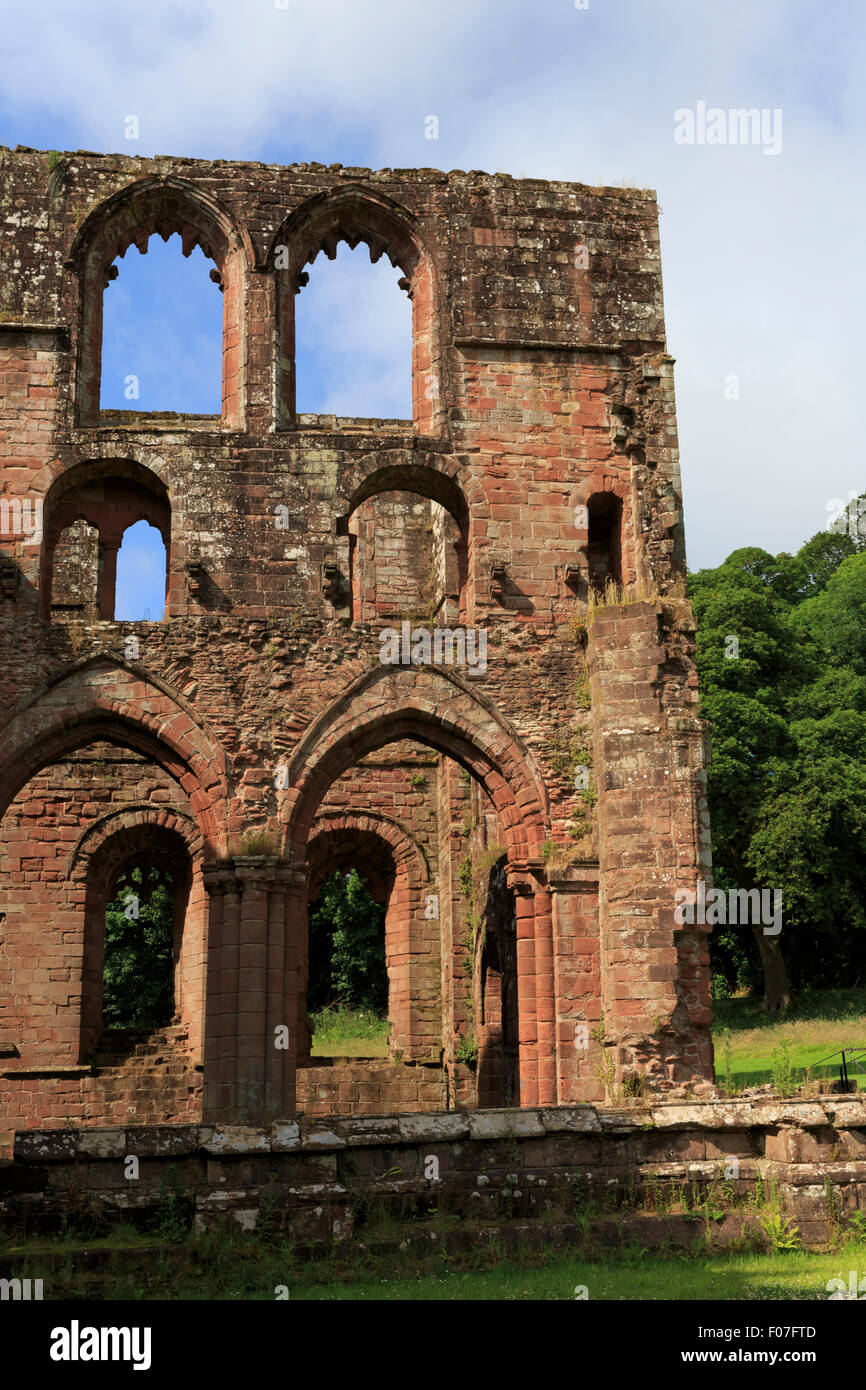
(532, 1178)
(521, 784)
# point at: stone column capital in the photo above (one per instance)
(252, 871)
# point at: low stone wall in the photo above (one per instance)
(320, 1179)
(157, 1083)
(369, 1086)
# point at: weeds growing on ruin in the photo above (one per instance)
(253, 843)
(785, 1077)
(781, 1231)
(616, 595)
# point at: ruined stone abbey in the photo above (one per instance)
(393, 645)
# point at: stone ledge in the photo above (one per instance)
(30, 1073)
(505, 1124)
(59, 330)
(336, 1132)
(804, 1114)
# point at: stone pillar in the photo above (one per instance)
(527, 1006)
(574, 897)
(545, 996)
(234, 371)
(107, 578)
(653, 838)
(454, 805)
(260, 311)
(251, 1000)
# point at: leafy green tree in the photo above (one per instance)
(835, 616)
(811, 834)
(815, 563)
(138, 974)
(786, 785)
(347, 947)
(747, 663)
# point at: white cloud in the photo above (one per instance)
(761, 255)
(353, 334)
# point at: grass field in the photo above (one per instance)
(243, 1269)
(343, 1032)
(819, 1023)
(630, 1276)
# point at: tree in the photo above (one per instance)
(747, 663)
(786, 784)
(138, 973)
(347, 947)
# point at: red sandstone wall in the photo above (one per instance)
(50, 988)
(540, 379)
(653, 834)
(41, 956)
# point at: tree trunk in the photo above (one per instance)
(777, 993)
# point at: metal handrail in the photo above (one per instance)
(844, 1054)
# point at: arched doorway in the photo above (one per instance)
(395, 868)
(437, 711)
(93, 786)
(496, 1003)
(143, 930)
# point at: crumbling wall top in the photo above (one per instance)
(522, 262)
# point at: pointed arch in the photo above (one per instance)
(110, 495)
(151, 204)
(438, 709)
(163, 205)
(354, 214)
(107, 698)
(434, 707)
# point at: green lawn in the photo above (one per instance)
(630, 1276)
(819, 1023)
(344, 1032)
(243, 1270)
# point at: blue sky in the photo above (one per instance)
(762, 254)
